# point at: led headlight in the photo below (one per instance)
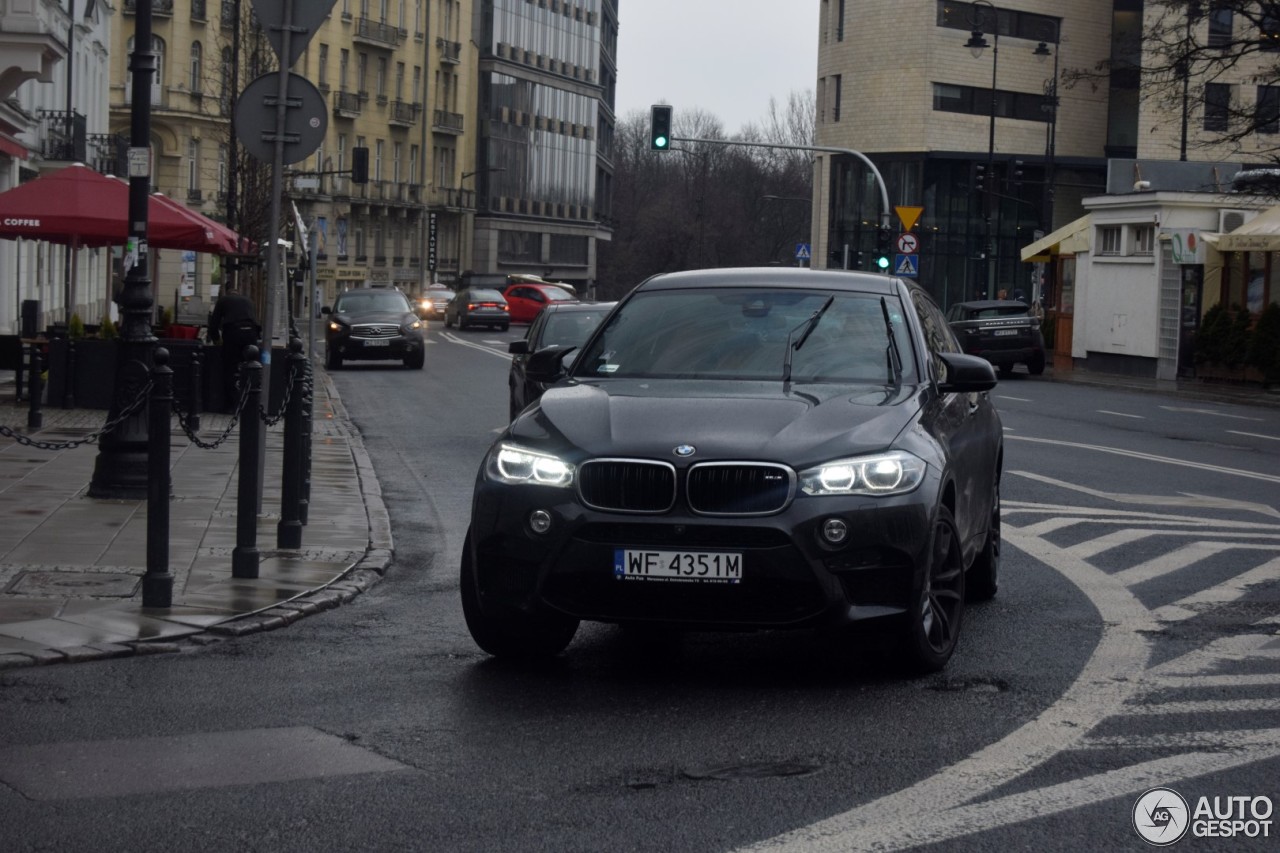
(509, 463)
(894, 473)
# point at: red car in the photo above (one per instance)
(526, 300)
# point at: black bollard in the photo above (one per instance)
(35, 389)
(196, 401)
(157, 583)
(308, 407)
(244, 558)
(289, 530)
(69, 386)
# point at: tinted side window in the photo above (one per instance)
(938, 336)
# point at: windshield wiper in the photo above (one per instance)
(808, 326)
(895, 356)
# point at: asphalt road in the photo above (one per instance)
(1135, 643)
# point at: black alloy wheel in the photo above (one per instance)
(933, 624)
(511, 634)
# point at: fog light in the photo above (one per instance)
(540, 521)
(835, 531)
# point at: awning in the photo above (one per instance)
(1260, 234)
(1073, 236)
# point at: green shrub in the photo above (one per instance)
(75, 327)
(166, 318)
(1211, 337)
(1236, 347)
(107, 331)
(1264, 345)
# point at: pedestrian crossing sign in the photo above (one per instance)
(906, 265)
(802, 251)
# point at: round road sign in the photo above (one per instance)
(908, 243)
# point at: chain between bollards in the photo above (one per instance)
(244, 558)
(157, 583)
(289, 530)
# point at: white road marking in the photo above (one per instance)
(1151, 457)
(1121, 414)
(454, 339)
(1019, 399)
(1226, 592)
(1216, 706)
(1210, 412)
(1221, 650)
(1255, 435)
(1093, 547)
(1172, 561)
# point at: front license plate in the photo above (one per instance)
(377, 343)
(677, 566)
(1005, 332)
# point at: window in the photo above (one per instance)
(157, 80)
(194, 82)
(344, 61)
(1144, 239)
(1024, 106)
(193, 167)
(835, 96)
(1109, 239)
(1220, 26)
(322, 71)
(224, 83)
(1012, 23)
(397, 154)
(1217, 106)
(198, 10)
(381, 82)
(1266, 118)
(377, 160)
(840, 27)
(1269, 31)
(399, 81)
(362, 71)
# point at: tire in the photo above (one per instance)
(511, 634)
(448, 324)
(983, 578)
(416, 359)
(504, 327)
(1036, 366)
(332, 360)
(1005, 369)
(935, 617)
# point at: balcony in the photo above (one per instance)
(377, 34)
(194, 195)
(403, 113)
(63, 136)
(160, 8)
(447, 122)
(346, 104)
(451, 198)
(450, 51)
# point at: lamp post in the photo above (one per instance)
(1051, 134)
(462, 216)
(120, 471)
(976, 44)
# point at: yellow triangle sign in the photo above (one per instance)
(909, 216)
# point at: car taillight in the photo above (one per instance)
(471, 306)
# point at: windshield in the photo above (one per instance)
(485, 296)
(742, 334)
(558, 294)
(363, 302)
(1012, 309)
(570, 328)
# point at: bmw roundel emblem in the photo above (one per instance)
(685, 450)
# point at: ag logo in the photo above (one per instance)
(1161, 816)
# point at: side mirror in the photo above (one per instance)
(520, 347)
(546, 365)
(965, 373)
(326, 310)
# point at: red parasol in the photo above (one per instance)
(81, 207)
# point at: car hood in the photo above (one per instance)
(805, 425)
(392, 318)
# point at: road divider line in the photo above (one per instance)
(1255, 435)
(1151, 457)
(454, 339)
(1121, 414)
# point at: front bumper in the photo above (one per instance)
(364, 349)
(791, 577)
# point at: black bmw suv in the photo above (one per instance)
(371, 323)
(741, 449)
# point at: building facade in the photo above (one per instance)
(546, 89)
(54, 73)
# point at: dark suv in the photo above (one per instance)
(1003, 331)
(373, 323)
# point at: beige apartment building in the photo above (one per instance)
(974, 112)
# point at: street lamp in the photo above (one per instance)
(1051, 135)
(976, 44)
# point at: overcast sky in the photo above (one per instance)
(727, 57)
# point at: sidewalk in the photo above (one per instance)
(71, 566)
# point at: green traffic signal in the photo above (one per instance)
(660, 127)
(882, 262)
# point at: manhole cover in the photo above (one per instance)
(74, 583)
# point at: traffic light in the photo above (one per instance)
(660, 127)
(359, 165)
(1015, 174)
(978, 177)
(883, 237)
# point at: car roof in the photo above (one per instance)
(797, 277)
(561, 307)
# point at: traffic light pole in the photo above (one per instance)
(885, 210)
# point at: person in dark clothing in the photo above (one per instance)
(234, 324)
